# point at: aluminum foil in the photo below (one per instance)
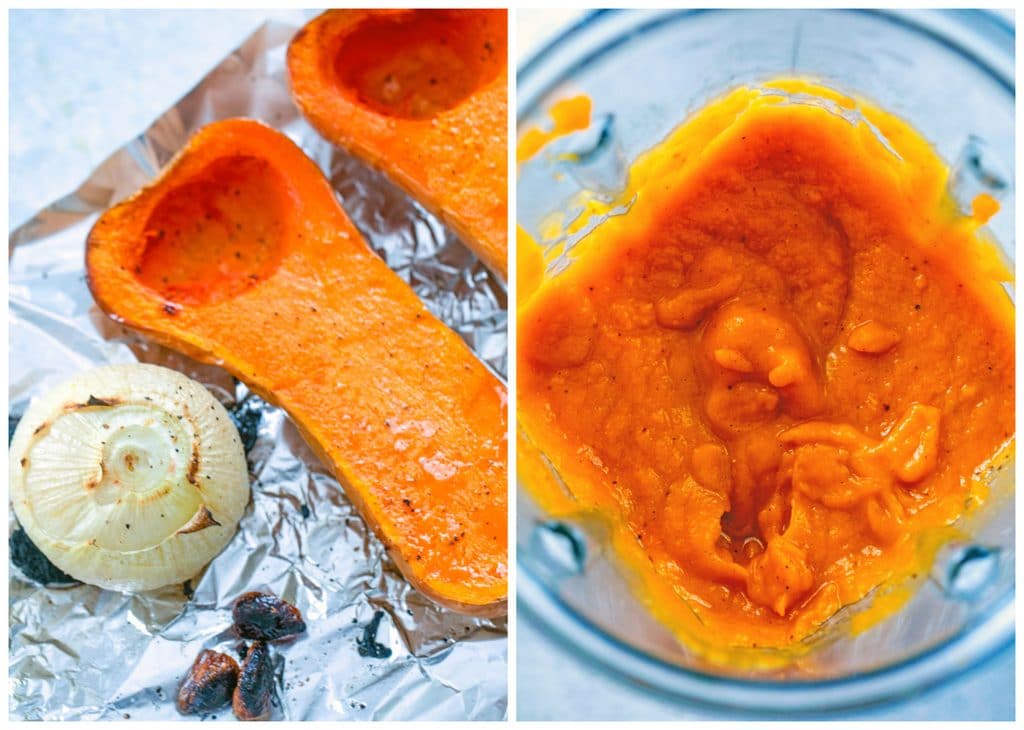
(78, 652)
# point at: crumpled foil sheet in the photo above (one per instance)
(81, 653)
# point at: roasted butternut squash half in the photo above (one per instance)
(423, 96)
(239, 254)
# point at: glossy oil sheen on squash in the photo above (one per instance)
(784, 369)
(423, 96)
(239, 254)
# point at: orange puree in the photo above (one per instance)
(567, 116)
(782, 372)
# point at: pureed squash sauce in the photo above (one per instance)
(784, 372)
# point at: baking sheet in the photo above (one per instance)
(78, 652)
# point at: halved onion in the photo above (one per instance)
(128, 477)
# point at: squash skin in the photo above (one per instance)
(411, 423)
(455, 161)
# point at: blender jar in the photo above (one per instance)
(951, 75)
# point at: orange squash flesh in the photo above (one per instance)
(238, 254)
(423, 96)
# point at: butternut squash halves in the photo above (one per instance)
(239, 254)
(423, 96)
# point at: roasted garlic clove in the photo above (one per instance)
(129, 477)
(209, 683)
(251, 699)
(266, 617)
(33, 564)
